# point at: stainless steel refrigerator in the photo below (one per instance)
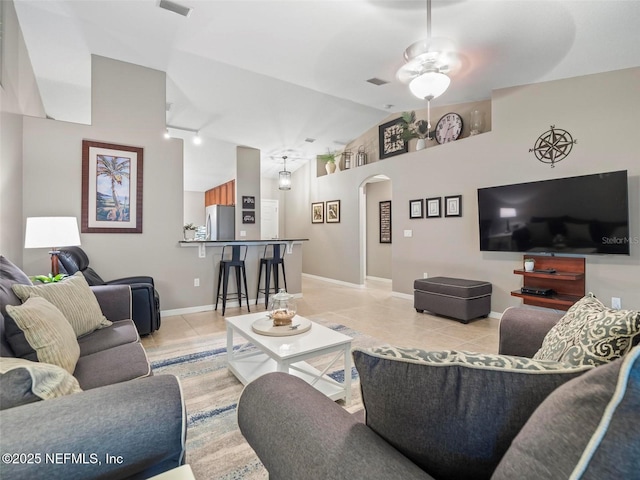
(221, 222)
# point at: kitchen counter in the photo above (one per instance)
(292, 259)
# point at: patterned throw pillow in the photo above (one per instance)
(23, 381)
(74, 299)
(47, 332)
(591, 334)
(453, 413)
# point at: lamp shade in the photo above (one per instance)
(48, 232)
(284, 180)
(507, 212)
(429, 85)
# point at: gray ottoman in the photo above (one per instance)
(453, 297)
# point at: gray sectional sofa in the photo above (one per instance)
(119, 422)
(458, 415)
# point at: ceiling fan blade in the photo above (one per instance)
(409, 71)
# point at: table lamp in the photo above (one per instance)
(52, 232)
(508, 213)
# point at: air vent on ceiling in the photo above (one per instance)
(309, 140)
(175, 8)
(377, 81)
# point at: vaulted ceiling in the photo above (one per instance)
(271, 74)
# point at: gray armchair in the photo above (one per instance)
(525, 421)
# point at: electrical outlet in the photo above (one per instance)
(616, 303)
(243, 233)
(408, 233)
(196, 282)
(425, 275)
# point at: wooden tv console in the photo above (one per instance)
(567, 282)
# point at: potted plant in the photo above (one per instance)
(329, 160)
(413, 128)
(189, 231)
(48, 278)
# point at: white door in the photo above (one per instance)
(269, 226)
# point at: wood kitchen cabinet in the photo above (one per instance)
(224, 194)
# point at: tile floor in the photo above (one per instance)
(370, 310)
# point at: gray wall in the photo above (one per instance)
(247, 184)
(128, 108)
(18, 96)
(378, 254)
(449, 246)
(194, 208)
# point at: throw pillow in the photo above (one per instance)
(22, 382)
(586, 429)
(46, 331)
(591, 334)
(453, 413)
(10, 275)
(74, 299)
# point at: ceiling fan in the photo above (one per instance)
(428, 65)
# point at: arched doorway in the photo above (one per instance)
(375, 257)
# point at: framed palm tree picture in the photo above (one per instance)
(111, 188)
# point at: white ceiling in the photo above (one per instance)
(269, 74)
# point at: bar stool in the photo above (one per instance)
(270, 265)
(238, 256)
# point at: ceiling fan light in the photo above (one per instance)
(429, 85)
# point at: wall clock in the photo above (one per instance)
(449, 128)
(390, 139)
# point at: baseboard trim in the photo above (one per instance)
(333, 280)
(378, 279)
(406, 296)
(208, 308)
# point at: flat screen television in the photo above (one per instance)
(588, 214)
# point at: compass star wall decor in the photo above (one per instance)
(553, 145)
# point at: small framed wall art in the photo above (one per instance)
(317, 212)
(333, 211)
(453, 206)
(433, 207)
(385, 221)
(415, 208)
(248, 203)
(390, 139)
(248, 216)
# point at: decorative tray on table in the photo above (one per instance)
(264, 326)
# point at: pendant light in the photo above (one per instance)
(284, 177)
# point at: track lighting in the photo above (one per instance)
(197, 139)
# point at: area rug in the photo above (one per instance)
(215, 447)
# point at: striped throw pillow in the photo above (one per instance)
(47, 331)
(74, 298)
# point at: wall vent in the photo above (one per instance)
(377, 81)
(175, 8)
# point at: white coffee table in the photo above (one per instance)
(288, 354)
